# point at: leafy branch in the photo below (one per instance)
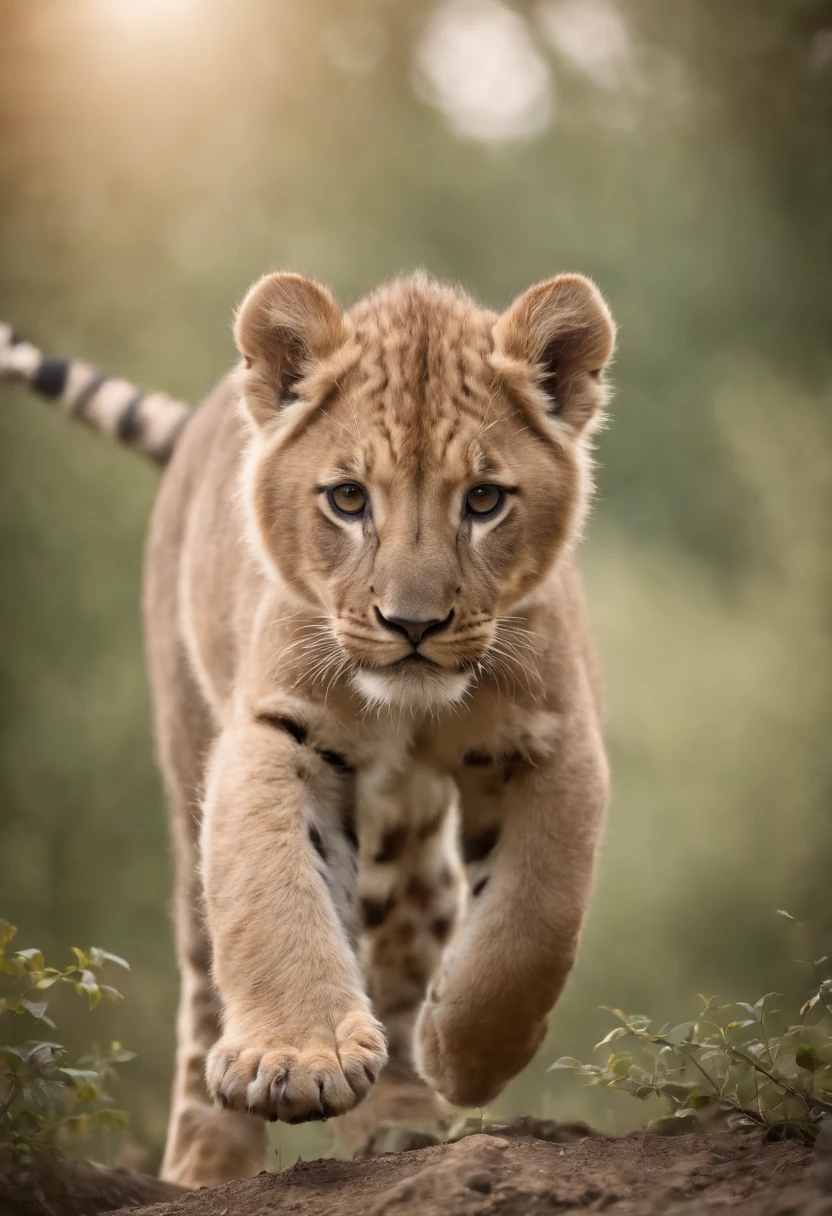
(760, 1069)
(43, 1100)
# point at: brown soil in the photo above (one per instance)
(79, 1188)
(515, 1174)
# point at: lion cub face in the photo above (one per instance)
(418, 464)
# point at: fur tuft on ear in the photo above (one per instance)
(284, 328)
(553, 344)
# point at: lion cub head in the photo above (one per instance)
(418, 463)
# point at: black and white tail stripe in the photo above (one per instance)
(148, 422)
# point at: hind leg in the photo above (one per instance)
(205, 1145)
(410, 887)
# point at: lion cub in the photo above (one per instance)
(377, 709)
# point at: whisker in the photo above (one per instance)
(339, 670)
(525, 670)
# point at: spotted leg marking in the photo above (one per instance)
(410, 890)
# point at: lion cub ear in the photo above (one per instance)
(285, 327)
(553, 344)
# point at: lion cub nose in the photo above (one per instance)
(415, 630)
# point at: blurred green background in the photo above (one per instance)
(158, 155)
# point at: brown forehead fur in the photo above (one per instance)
(423, 368)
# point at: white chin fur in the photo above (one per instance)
(413, 690)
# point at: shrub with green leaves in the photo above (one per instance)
(46, 1104)
(756, 1065)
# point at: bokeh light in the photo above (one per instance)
(476, 62)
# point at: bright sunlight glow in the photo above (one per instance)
(146, 16)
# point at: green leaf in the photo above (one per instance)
(737, 1053)
(698, 1101)
(118, 1055)
(629, 1084)
(116, 1120)
(617, 1032)
(7, 932)
(83, 961)
(87, 1075)
(633, 1021)
(682, 1033)
(670, 1125)
(44, 1053)
(33, 957)
(621, 1066)
(98, 957)
(112, 994)
(738, 1121)
(807, 1058)
(89, 984)
(566, 1062)
(86, 1093)
(37, 1009)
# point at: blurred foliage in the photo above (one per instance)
(157, 157)
(764, 1068)
(46, 1106)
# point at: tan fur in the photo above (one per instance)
(379, 844)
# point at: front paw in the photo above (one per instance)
(316, 1076)
(467, 1056)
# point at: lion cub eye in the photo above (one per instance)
(347, 499)
(484, 500)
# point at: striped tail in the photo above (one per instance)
(149, 423)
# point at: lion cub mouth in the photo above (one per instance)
(415, 660)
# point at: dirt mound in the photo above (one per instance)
(78, 1188)
(486, 1175)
